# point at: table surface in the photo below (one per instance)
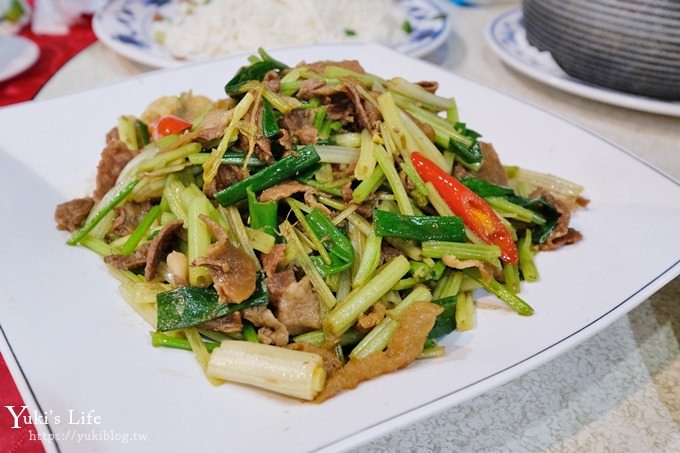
(618, 391)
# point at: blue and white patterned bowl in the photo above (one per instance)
(631, 46)
(126, 26)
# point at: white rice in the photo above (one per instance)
(225, 27)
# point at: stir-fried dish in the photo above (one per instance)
(317, 227)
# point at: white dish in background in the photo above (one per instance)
(507, 38)
(82, 348)
(126, 26)
(16, 55)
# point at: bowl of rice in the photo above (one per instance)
(170, 33)
(631, 46)
(225, 27)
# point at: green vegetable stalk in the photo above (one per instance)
(286, 168)
(101, 212)
(346, 313)
(511, 299)
(419, 228)
(159, 339)
(334, 240)
(263, 215)
(140, 231)
(255, 71)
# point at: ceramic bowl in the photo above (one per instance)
(626, 45)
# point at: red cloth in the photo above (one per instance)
(24, 439)
(55, 51)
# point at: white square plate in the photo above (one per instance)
(82, 349)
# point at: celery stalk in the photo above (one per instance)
(376, 339)
(511, 299)
(420, 95)
(211, 166)
(345, 314)
(366, 162)
(465, 312)
(198, 239)
(140, 230)
(461, 250)
(526, 258)
(387, 165)
(368, 186)
(370, 259)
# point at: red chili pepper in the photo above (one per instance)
(475, 212)
(168, 124)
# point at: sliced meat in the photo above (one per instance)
(388, 253)
(262, 147)
(217, 117)
(299, 123)
(311, 201)
(134, 261)
(272, 80)
(277, 284)
(372, 112)
(429, 85)
(271, 330)
(285, 140)
(366, 208)
(486, 270)
(284, 190)
(307, 135)
(233, 272)
(159, 246)
(562, 234)
(308, 88)
(114, 157)
(296, 119)
(365, 121)
(341, 109)
(272, 260)
(230, 323)
(404, 347)
(371, 318)
(327, 92)
(70, 215)
(331, 363)
(582, 201)
(461, 172)
(128, 217)
(492, 169)
(226, 176)
(217, 231)
(296, 304)
(347, 193)
(570, 237)
(213, 125)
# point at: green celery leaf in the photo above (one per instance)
(189, 306)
